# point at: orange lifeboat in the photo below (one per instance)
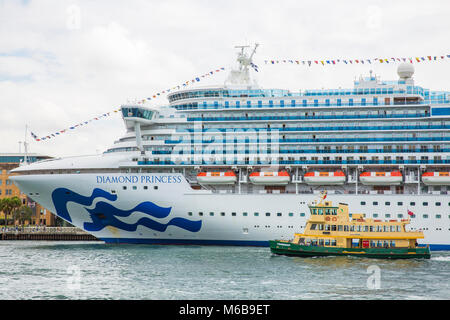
(270, 178)
(228, 177)
(324, 178)
(436, 178)
(382, 178)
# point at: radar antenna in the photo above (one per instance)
(242, 76)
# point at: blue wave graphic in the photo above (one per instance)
(61, 196)
(105, 214)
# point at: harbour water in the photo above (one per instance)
(94, 270)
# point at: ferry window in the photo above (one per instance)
(387, 203)
(267, 214)
(379, 229)
(302, 214)
(385, 229)
(372, 243)
(425, 216)
(278, 214)
(313, 226)
(363, 203)
(244, 214)
(320, 226)
(314, 242)
(320, 242)
(211, 213)
(387, 215)
(366, 228)
(358, 228)
(327, 242)
(327, 227)
(393, 228)
(222, 214)
(412, 203)
(352, 228)
(256, 214)
(334, 212)
(379, 243)
(392, 244)
(371, 229)
(399, 228)
(313, 211)
(425, 203)
(124, 188)
(340, 228)
(233, 214)
(345, 228)
(327, 212)
(333, 242)
(190, 213)
(200, 213)
(438, 204)
(333, 227)
(375, 203)
(438, 216)
(320, 212)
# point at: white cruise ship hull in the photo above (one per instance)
(164, 209)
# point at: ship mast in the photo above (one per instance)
(241, 76)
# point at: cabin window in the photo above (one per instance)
(352, 228)
(438, 204)
(379, 243)
(375, 215)
(314, 242)
(425, 216)
(385, 229)
(327, 212)
(387, 203)
(145, 187)
(340, 228)
(313, 226)
(358, 228)
(387, 215)
(366, 228)
(267, 214)
(399, 228)
(438, 216)
(375, 203)
(399, 215)
(320, 226)
(211, 213)
(392, 228)
(379, 228)
(392, 244)
(134, 188)
(320, 212)
(399, 203)
(412, 203)
(200, 213)
(302, 214)
(244, 214)
(291, 214)
(345, 228)
(327, 227)
(256, 214)
(334, 212)
(124, 188)
(333, 227)
(372, 243)
(278, 214)
(333, 242)
(233, 214)
(313, 211)
(327, 242)
(425, 204)
(371, 229)
(222, 214)
(155, 187)
(363, 203)
(321, 242)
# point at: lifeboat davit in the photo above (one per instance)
(382, 178)
(227, 177)
(270, 178)
(324, 178)
(436, 178)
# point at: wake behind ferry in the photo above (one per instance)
(236, 164)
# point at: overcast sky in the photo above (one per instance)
(64, 62)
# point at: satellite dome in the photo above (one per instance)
(405, 70)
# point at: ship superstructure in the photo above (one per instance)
(237, 164)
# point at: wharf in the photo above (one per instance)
(46, 233)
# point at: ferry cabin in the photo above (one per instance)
(331, 226)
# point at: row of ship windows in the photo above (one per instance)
(291, 214)
(352, 228)
(387, 203)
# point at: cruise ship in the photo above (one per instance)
(237, 164)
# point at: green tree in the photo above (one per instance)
(22, 213)
(9, 205)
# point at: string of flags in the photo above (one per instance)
(310, 63)
(108, 114)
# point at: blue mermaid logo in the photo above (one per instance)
(105, 214)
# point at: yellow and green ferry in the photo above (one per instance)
(332, 231)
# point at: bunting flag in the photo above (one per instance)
(150, 97)
(347, 61)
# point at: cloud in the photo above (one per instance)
(68, 61)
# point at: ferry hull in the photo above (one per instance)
(291, 249)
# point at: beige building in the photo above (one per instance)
(9, 161)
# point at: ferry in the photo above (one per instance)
(332, 231)
(237, 164)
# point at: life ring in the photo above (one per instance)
(334, 219)
(327, 218)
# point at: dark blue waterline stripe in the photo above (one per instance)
(433, 247)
